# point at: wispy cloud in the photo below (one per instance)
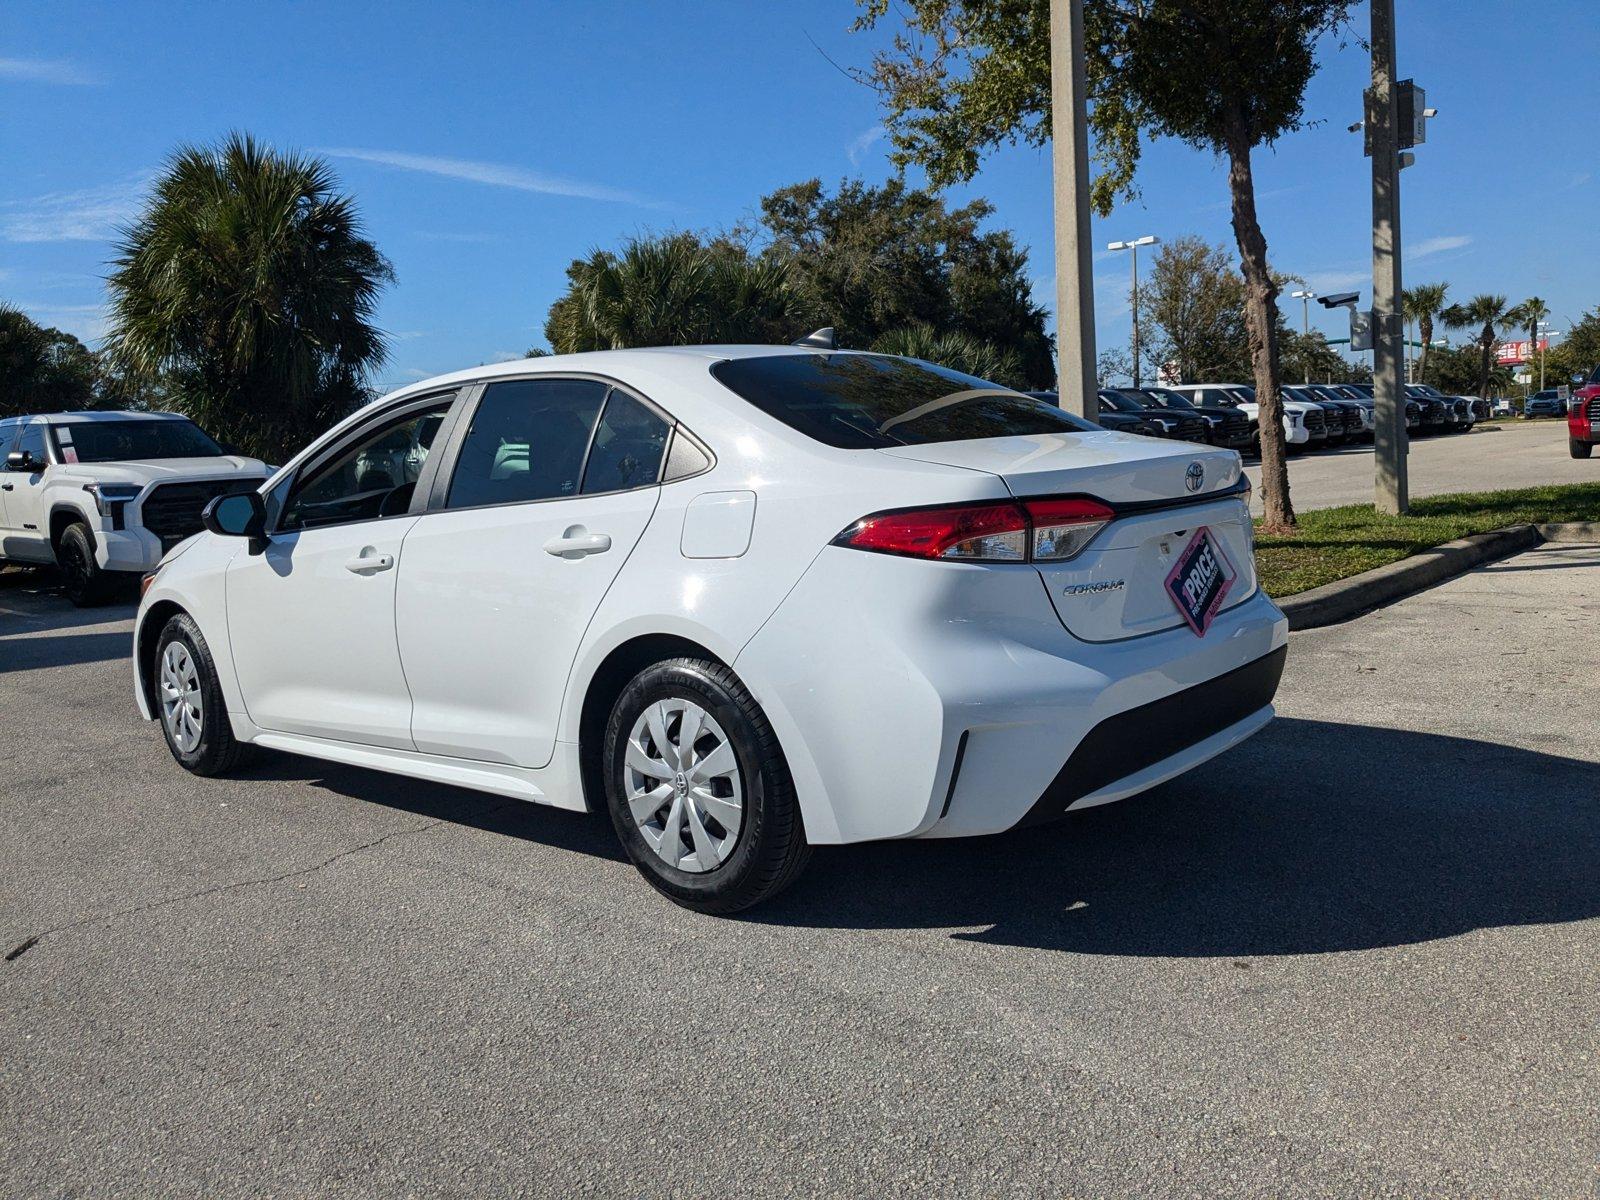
(1436, 245)
(1333, 281)
(863, 142)
(87, 322)
(493, 174)
(89, 215)
(1265, 197)
(46, 70)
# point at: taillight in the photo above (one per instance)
(1033, 530)
(1062, 528)
(968, 532)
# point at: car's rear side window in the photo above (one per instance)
(528, 441)
(628, 445)
(869, 401)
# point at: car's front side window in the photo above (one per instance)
(31, 442)
(528, 441)
(375, 477)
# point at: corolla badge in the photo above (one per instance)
(1195, 477)
(1089, 589)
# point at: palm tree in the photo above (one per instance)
(672, 290)
(958, 351)
(1532, 311)
(247, 282)
(1485, 313)
(1422, 304)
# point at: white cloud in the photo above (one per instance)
(1436, 245)
(44, 70)
(493, 174)
(863, 142)
(1337, 281)
(86, 322)
(89, 215)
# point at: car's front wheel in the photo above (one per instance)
(1579, 449)
(698, 788)
(189, 701)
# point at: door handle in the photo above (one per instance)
(577, 542)
(369, 564)
(6, 487)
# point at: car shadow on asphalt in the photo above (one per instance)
(1313, 837)
(39, 628)
(581, 833)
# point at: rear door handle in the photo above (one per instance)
(369, 564)
(6, 487)
(577, 542)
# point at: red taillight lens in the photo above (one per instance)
(1042, 530)
(969, 532)
(1062, 528)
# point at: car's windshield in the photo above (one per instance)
(125, 441)
(1168, 398)
(869, 401)
(1245, 392)
(1121, 403)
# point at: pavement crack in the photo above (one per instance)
(33, 940)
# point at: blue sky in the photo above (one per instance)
(488, 144)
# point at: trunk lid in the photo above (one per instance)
(1116, 588)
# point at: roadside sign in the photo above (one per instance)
(1564, 392)
(1522, 377)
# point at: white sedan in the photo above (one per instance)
(745, 599)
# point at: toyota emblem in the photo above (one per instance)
(1195, 477)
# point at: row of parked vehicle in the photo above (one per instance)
(1314, 415)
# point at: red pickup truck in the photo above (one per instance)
(1583, 417)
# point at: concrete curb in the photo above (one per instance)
(1347, 598)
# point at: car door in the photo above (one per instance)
(311, 615)
(553, 481)
(26, 537)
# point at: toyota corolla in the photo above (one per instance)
(745, 600)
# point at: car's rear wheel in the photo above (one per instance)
(189, 701)
(82, 580)
(698, 788)
(1579, 449)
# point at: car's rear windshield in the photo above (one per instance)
(869, 401)
(124, 441)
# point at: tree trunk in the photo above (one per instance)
(1425, 334)
(1261, 321)
(1486, 341)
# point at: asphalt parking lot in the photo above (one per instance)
(1357, 956)
(1507, 454)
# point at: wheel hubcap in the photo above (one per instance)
(182, 710)
(681, 780)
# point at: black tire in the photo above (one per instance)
(82, 580)
(217, 751)
(1579, 449)
(771, 848)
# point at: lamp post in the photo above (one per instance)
(1134, 247)
(1305, 299)
(1541, 334)
(1069, 154)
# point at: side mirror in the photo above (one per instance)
(238, 515)
(20, 460)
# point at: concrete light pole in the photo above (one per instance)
(1134, 246)
(1305, 299)
(1076, 383)
(1391, 487)
(1541, 334)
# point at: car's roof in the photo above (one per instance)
(606, 362)
(84, 418)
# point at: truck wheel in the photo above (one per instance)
(82, 580)
(1579, 449)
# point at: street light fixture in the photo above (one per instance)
(1305, 299)
(1134, 247)
(1540, 336)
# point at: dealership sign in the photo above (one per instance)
(1511, 353)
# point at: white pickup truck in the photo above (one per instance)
(103, 495)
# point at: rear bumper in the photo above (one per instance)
(917, 699)
(1163, 737)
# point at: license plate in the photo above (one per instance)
(1200, 579)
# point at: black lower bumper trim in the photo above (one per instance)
(1130, 741)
